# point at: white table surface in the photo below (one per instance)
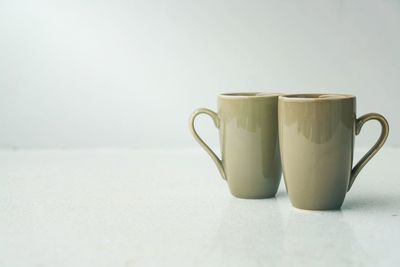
(169, 208)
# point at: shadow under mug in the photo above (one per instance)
(316, 135)
(248, 131)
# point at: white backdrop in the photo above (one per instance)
(128, 73)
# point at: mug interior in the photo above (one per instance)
(316, 96)
(248, 94)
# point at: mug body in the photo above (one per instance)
(316, 133)
(249, 143)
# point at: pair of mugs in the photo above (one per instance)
(308, 136)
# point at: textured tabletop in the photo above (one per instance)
(168, 208)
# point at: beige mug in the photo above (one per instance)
(248, 131)
(316, 134)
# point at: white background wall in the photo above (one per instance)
(129, 73)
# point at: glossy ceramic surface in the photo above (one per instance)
(248, 130)
(317, 134)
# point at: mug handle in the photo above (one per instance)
(379, 143)
(215, 118)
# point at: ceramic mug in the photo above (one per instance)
(248, 130)
(317, 133)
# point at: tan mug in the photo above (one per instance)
(317, 133)
(248, 131)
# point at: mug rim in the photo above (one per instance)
(248, 95)
(307, 97)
